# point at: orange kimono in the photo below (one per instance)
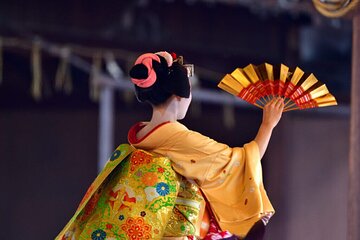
(230, 178)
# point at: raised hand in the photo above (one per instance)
(271, 116)
(272, 112)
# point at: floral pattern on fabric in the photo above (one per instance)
(162, 189)
(149, 179)
(151, 193)
(137, 229)
(98, 235)
(135, 197)
(215, 232)
(138, 159)
(116, 154)
(132, 201)
(184, 220)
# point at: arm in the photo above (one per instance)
(271, 116)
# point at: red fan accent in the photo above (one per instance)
(260, 84)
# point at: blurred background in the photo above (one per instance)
(65, 101)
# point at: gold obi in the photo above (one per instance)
(137, 196)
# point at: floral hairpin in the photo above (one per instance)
(180, 60)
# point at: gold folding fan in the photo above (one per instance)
(260, 84)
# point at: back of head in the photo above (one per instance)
(158, 76)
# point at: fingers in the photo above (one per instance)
(280, 102)
(277, 102)
(272, 111)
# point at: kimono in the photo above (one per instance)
(157, 187)
(230, 178)
(137, 196)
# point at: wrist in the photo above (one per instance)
(267, 126)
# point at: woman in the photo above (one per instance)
(230, 179)
(215, 192)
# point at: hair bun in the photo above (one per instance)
(139, 71)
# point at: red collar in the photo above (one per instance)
(136, 128)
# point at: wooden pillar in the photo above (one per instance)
(353, 232)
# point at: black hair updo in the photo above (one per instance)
(169, 80)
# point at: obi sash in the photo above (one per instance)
(137, 196)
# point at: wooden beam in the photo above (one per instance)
(353, 232)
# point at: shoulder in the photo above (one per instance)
(184, 138)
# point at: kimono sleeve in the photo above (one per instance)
(230, 178)
(198, 157)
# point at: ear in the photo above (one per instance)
(178, 98)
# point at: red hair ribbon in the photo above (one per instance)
(146, 59)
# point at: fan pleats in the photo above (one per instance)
(260, 84)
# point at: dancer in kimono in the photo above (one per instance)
(230, 179)
(173, 183)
